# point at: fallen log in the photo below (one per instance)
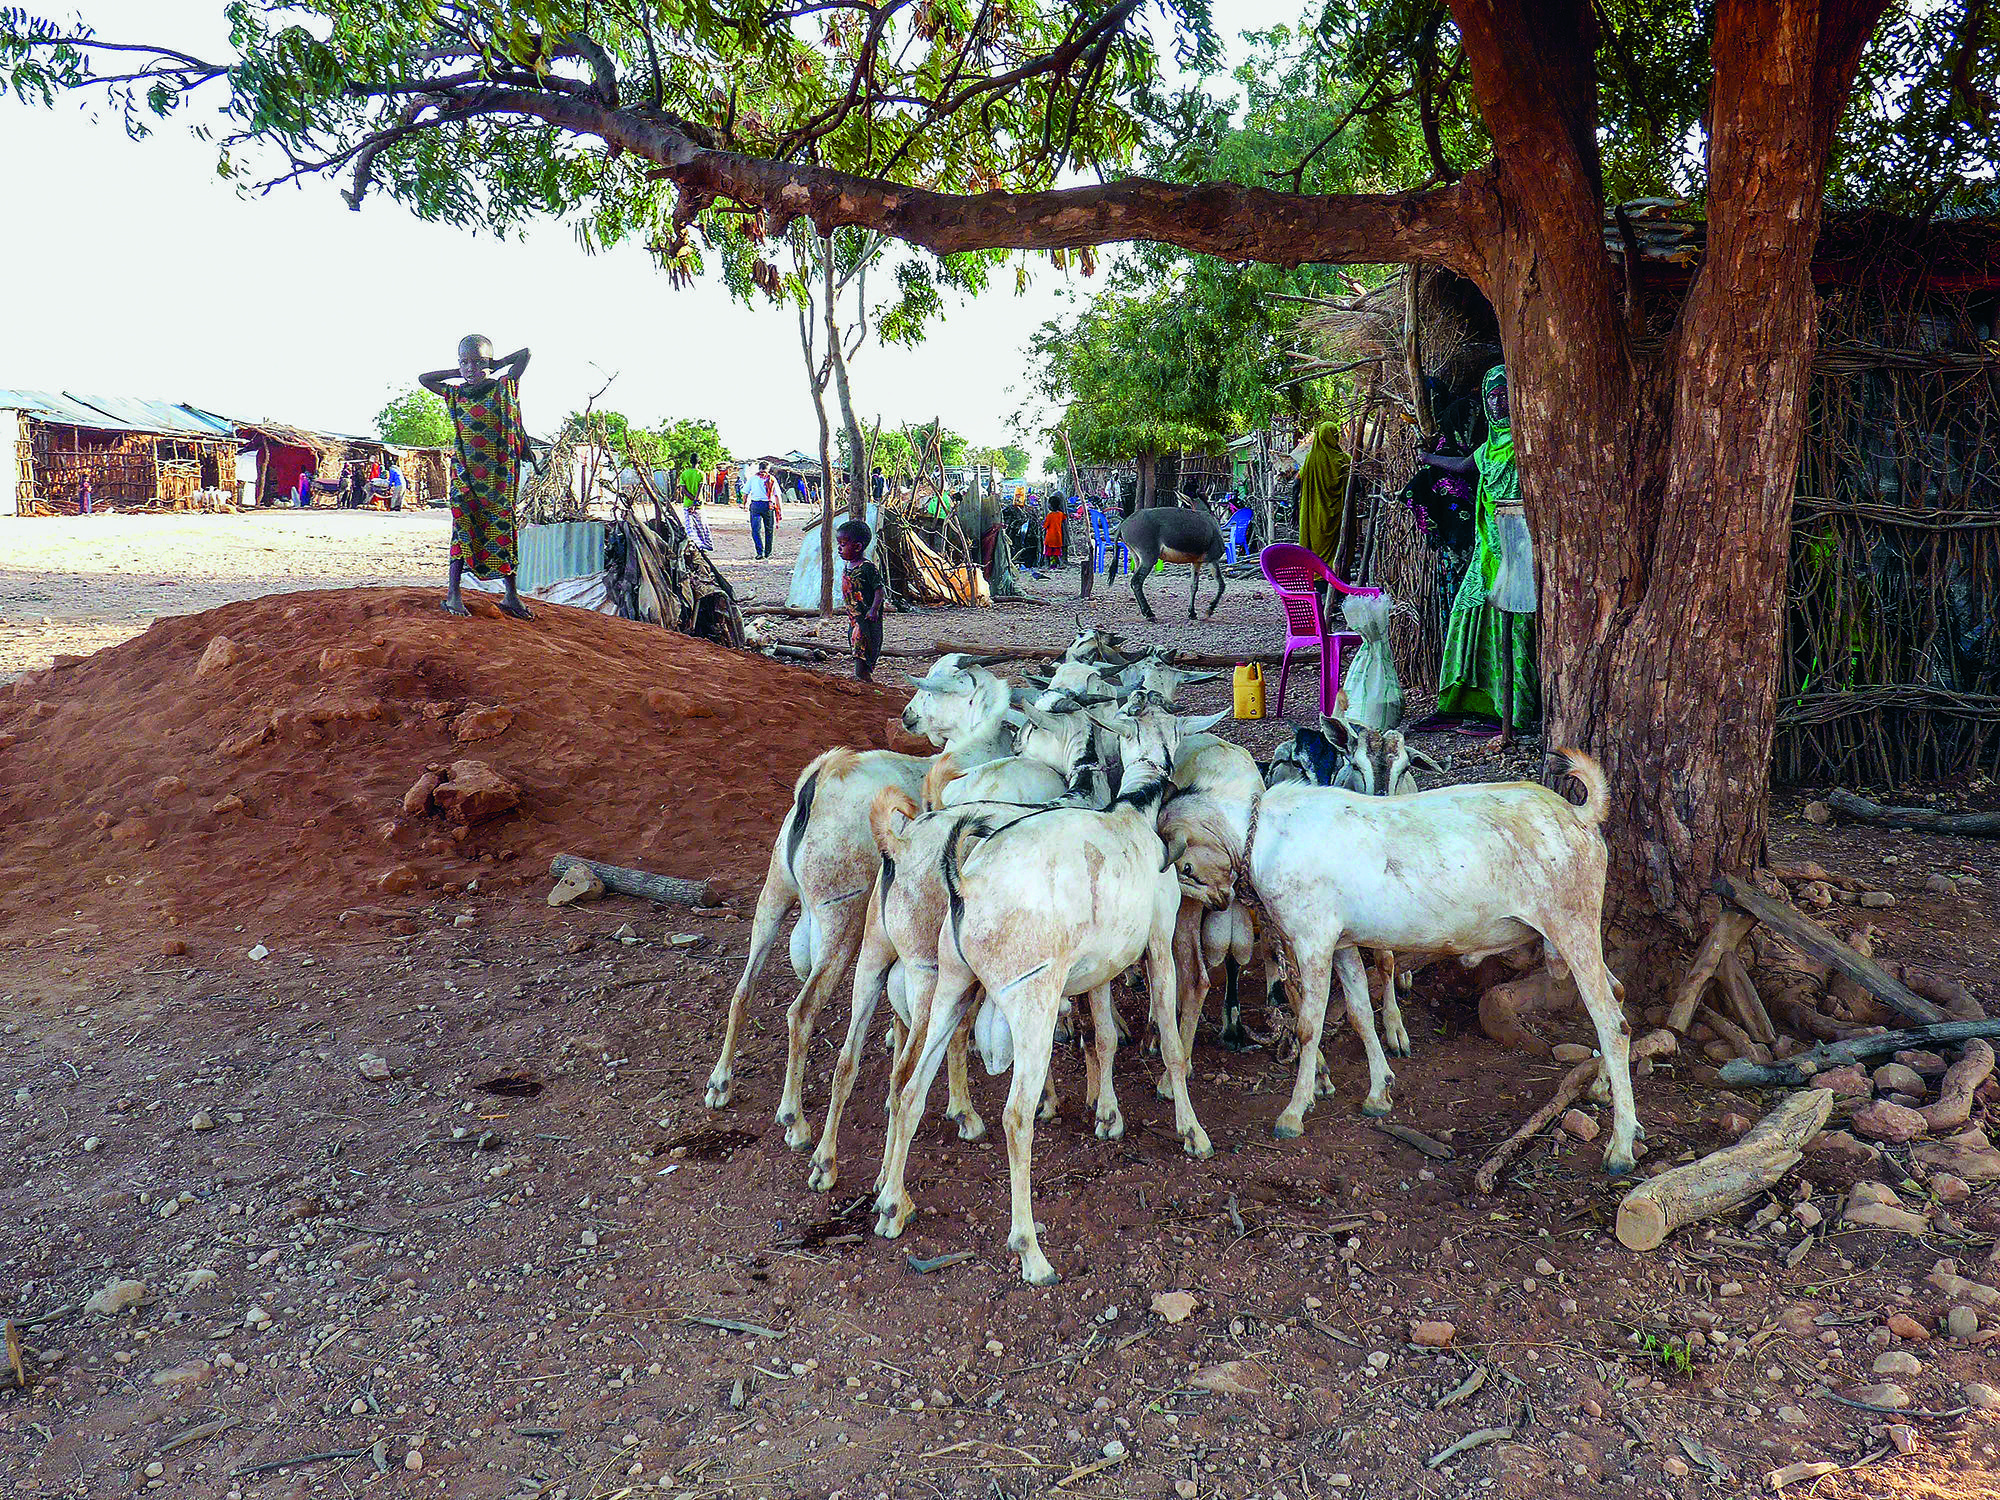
(1574, 1082)
(1736, 986)
(1796, 1070)
(641, 883)
(1723, 1179)
(1916, 819)
(1823, 945)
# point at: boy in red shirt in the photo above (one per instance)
(1052, 533)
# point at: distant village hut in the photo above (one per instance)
(134, 453)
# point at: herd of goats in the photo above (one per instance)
(1075, 827)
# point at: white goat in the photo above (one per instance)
(825, 859)
(1155, 673)
(1055, 757)
(1057, 902)
(1467, 870)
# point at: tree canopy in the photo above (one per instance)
(415, 418)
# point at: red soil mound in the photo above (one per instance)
(266, 789)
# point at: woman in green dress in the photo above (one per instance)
(489, 442)
(1489, 646)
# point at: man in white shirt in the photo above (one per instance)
(764, 511)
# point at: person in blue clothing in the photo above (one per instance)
(1236, 540)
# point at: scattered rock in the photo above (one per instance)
(475, 793)
(1903, 1437)
(184, 1377)
(255, 1317)
(1908, 1328)
(1580, 1125)
(1114, 1450)
(417, 800)
(1817, 813)
(116, 1296)
(1175, 1307)
(577, 884)
(347, 658)
(482, 723)
(373, 1067)
(1887, 1394)
(169, 786)
(1431, 1335)
(260, 952)
(1570, 1052)
(465, 919)
(198, 1278)
(1896, 1078)
(1793, 1416)
(1807, 1215)
(174, 948)
(1850, 1082)
(201, 1119)
(626, 934)
(1961, 1323)
(1980, 1395)
(1897, 1362)
(1875, 899)
(588, 1239)
(1735, 1125)
(221, 654)
(1944, 1276)
(1816, 894)
(1926, 1064)
(1872, 1205)
(1674, 1466)
(1843, 1145)
(1968, 1155)
(399, 880)
(686, 939)
(1941, 884)
(92, 1144)
(227, 803)
(1883, 1121)
(1950, 1188)
(413, 1460)
(1235, 1377)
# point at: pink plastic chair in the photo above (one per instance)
(1293, 572)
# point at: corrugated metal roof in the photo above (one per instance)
(117, 413)
(157, 416)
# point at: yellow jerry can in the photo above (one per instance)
(1249, 691)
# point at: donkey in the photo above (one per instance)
(1172, 533)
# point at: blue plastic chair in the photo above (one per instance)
(1104, 539)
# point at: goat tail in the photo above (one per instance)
(1596, 789)
(891, 804)
(943, 772)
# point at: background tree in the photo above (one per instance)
(415, 419)
(1657, 462)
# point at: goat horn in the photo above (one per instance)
(928, 684)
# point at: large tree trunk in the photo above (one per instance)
(816, 382)
(1659, 486)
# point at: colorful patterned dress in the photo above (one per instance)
(488, 446)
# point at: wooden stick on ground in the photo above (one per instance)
(1920, 819)
(1796, 1070)
(1574, 1082)
(1730, 929)
(1732, 1035)
(641, 883)
(1734, 981)
(1823, 945)
(1723, 1179)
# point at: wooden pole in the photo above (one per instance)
(641, 883)
(1723, 1179)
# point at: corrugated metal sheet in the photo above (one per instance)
(559, 550)
(53, 406)
(157, 416)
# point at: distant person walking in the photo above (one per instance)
(305, 495)
(83, 497)
(357, 486)
(691, 482)
(764, 509)
(395, 485)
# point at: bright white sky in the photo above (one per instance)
(130, 268)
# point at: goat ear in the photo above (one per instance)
(1040, 718)
(1338, 731)
(1420, 758)
(1176, 847)
(1202, 724)
(1187, 677)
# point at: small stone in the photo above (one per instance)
(169, 786)
(1235, 1377)
(588, 1239)
(1114, 1449)
(1950, 1188)
(482, 723)
(1432, 1335)
(1926, 1064)
(1570, 1052)
(1734, 1125)
(116, 1296)
(1894, 1078)
(1908, 1328)
(256, 1317)
(357, 1407)
(182, 1377)
(1981, 1395)
(399, 880)
(92, 1144)
(1674, 1465)
(1875, 899)
(171, 1207)
(686, 939)
(198, 1278)
(1175, 1307)
(1850, 1082)
(1816, 894)
(417, 800)
(1903, 1437)
(227, 803)
(1886, 1394)
(1940, 884)
(413, 1460)
(475, 793)
(1580, 1125)
(465, 919)
(1187, 1489)
(201, 1119)
(1897, 1362)
(577, 884)
(373, 1067)
(626, 934)
(174, 948)
(1808, 1216)
(1817, 813)
(1731, 1289)
(221, 654)
(260, 951)
(1544, 1266)
(1793, 1416)
(1961, 1323)
(155, 1469)
(1883, 1121)
(995, 1347)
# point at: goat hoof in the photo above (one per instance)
(1375, 1109)
(1111, 1129)
(825, 1173)
(1163, 1088)
(799, 1138)
(889, 1222)
(1197, 1144)
(717, 1096)
(1037, 1271)
(1237, 1040)
(1618, 1163)
(1287, 1130)
(970, 1126)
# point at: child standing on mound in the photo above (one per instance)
(862, 589)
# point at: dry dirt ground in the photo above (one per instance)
(496, 1270)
